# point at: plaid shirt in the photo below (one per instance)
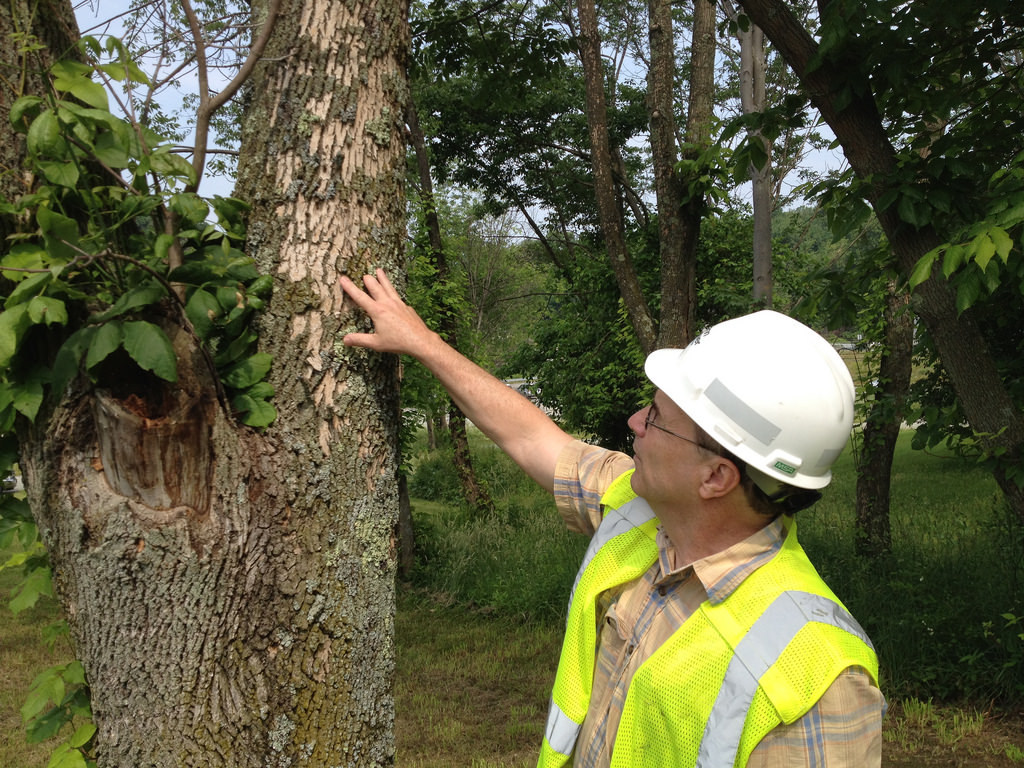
(843, 729)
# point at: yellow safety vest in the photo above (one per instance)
(729, 675)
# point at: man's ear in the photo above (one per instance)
(720, 476)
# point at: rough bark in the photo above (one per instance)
(961, 345)
(406, 532)
(231, 593)
(882, 427)
(52, 23)
(608, 208)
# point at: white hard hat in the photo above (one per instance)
(768, 389)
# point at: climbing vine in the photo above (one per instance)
(113, 256)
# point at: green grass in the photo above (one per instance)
(478, 632)
(471, 688)
(942, 610)
(24, 653)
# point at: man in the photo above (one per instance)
(698, 633)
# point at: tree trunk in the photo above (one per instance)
(473, 491)
(608, 208)
(52, 23)
(858, 127)
(882, 428)
(752, 96)
(230, 593)
(679, 278)
(406, 532)
(678, 275)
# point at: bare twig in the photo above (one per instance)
(209, 105)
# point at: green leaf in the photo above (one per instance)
(59, 233)
(74, 673)
(44, 136)
(162, 246)
(28, 398)
(52, 632)
(28, 289)
(195, 272)
(48, 310)
(1003, 243)
(17, 510)
(983, 249)
(109, 150)
(66, 756)
(142, 295)
(82, 736)
(74, 78)
(968, 290)
(242, 269)
(952, 260)
(22, 110)
(13, 324)
(231, 213)
(167, 163)
(261, 390)
(248, 372)
(254, 412)
(229, 297)
(108, 337)
(46, 726)
(149, 346)
(20, 257)
(190, 206)
(238, 348)
(910, 212)
(65, 365)
(47, 686)
(78, 702)
(261, 286)
(59, 172)
(923, 268)
(201, 309)
(38, 583)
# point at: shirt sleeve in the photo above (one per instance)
(843, 730)
(582, 475)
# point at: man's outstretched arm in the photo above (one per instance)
(515, 424)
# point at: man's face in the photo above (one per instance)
(665, 451)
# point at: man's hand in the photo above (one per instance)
(519, 428)
(397, 327)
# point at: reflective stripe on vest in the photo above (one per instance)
(753, 656)
(636, 523)
(616, 522)
(561, 731)
(765, 638)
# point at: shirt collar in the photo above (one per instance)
(722, 572)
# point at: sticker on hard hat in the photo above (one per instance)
(783, 467)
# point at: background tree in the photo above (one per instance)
(773, 150)
(876, 106)
(262, 558)
(449, 321)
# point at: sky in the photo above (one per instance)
(101, 17)
(106, 17)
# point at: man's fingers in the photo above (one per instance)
(367, 340)
(385, 284)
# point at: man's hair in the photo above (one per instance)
(788, 500)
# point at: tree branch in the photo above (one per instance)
(209, 105)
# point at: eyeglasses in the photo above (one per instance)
(652, 413)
